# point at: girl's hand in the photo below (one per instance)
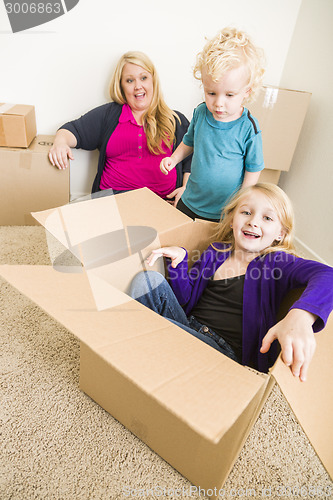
(297, 340)
(176, 194)
(59, 154)
(167, 164)
(176, 254)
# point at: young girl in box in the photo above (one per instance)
(231, 296)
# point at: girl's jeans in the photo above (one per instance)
(152, 290)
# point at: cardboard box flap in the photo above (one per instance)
(143, 207)
(91, 218)
(312, 401)
(105, 230)
(140, 348)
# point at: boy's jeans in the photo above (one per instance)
(153, 291)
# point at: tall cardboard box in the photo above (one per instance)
(28, 182)
(17, 125)
(281, 113)
(188, 402)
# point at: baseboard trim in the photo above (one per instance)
(307, 252)
(75, 196)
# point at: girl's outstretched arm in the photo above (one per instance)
(176, 254)
(295, 335)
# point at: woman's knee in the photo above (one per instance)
(145, 282)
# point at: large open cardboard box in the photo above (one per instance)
(281, 113)
(189, 403)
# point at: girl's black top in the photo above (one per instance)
(221, 309)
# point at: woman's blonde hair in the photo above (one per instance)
(282, 206)
(229, 49)
(159, 121)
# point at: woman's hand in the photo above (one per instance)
(297, 340)
(61, 149)
(59, 155)
(176, 194)
(176, 254)
(167, 164)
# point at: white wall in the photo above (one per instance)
(309, 183)
(64, 66)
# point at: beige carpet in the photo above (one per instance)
(58, 444)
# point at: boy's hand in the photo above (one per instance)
(176, 254)
(297, 340)
(167, 164)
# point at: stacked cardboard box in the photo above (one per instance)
(28, 182)
(17, 125)
(188, 402)
(281, 113)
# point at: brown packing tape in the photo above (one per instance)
(25, 160)
(5, 107)
(3, 141)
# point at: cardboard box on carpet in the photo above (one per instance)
(28, 182)
(17, 125)
(189, 403)
(281, 113)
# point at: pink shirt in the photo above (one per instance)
(129, 164)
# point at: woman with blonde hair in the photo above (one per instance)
(231, 296)
(133, 133)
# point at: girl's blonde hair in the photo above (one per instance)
(282, 206)
(229, 49)
(159, 121)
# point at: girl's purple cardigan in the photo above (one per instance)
(267, 280)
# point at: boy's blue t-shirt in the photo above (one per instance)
(223, 151)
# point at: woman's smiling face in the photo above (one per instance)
(256, 224)
(137, 85)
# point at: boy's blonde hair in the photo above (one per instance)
(229, 49)
(282, 206)
(159, 121)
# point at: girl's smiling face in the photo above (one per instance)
(256, 224)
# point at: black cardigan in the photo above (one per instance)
(94, 129)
